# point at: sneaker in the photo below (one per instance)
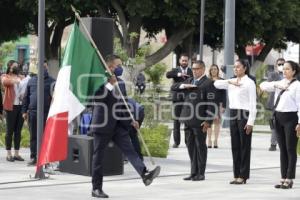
(149, 176)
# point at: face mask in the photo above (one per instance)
(280, 68)
(118, 71)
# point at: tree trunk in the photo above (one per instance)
(168, 47)
(135, 25)
(56, 40)
(53, 67)
(241, 52)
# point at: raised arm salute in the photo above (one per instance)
(242, 104)
(287, 120)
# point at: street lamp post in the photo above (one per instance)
(40, 90)
(229, 37)
(202, 14)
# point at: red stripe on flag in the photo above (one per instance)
(55, 140)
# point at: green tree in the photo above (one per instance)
(155, 74)
(14, 21)
(6, 49)
(269, 22)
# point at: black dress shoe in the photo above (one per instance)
(240, 181)
(175, 145)
(188, 178)
(32, 162)
(18, 158)
(198, 178)
(148, 176)
(10, 159)
(99, 194)
(287, 185)
(272, 147)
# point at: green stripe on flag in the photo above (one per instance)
(87, 70)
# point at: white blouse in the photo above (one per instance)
(289, 100)
(241, 97)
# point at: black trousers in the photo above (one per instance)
(287, 140)
(141, 88)
(240, 143)
(32, 123)
(14, 124)
(176, 123)
(196, 144)
(122, 140)
(135, 141)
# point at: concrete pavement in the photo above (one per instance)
(15, 181)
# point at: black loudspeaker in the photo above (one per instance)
(80, 157)
(102, 32)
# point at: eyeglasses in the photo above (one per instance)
(280, 64)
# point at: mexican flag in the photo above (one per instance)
(81, 74)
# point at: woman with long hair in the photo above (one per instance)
(12, 104)
(220, 100)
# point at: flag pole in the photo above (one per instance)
(39, 174)
(110, 73)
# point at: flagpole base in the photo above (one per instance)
(39, 174)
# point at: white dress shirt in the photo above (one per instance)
(289, 100)
(183, 86)
(183, 71)
(109, 86)
(241, 97)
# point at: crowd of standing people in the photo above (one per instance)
(199, 102)
(19, 104)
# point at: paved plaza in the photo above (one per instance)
(15, 181)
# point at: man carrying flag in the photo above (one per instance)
(81, 74)
(81, 77)
(110, 122)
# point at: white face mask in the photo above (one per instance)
(280, 68)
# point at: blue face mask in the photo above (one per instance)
(118, 71)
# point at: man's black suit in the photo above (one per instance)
(177, 98)
(107, 124)
(198, 107)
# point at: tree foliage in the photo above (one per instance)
(14, 21)
(271, 22)
(6, 49)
